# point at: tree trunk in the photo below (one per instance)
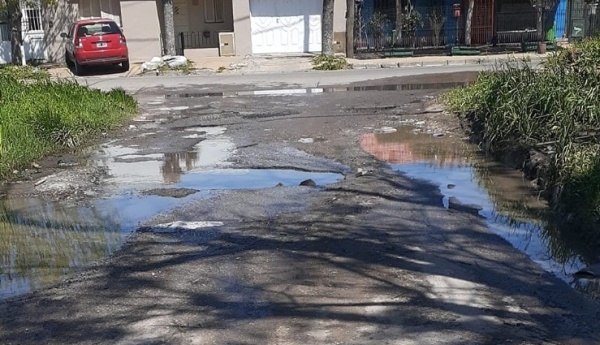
(169, 27)
(350, 9)
(16, 35)
(399, 21)
(469, 22)
(540, 20)
(327, 28)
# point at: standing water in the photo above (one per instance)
(507, 202)
(41, 241)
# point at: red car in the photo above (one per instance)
(95, 42)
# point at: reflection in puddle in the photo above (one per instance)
(130, 210)
(320, 90)
(41, 241)
(130, 169)
(202, 168)
(253, 178)
(497, 193)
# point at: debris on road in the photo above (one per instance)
(168, 60)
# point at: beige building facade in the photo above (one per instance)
(202, 27)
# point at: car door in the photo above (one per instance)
(69, 39)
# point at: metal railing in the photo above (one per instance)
(422, 39)
(434, 27)
(439, 28)
(196, 40)
(593, 20)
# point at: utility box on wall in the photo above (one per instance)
(339, 42)
(226, 44)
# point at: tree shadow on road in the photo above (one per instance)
(365, 263)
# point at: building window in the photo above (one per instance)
(4, 34)
(34, 19)
(213, 11)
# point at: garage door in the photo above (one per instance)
(286, 26)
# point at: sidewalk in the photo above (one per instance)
(424, 61)
(301, 63)
(256, 64)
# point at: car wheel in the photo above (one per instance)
(77, 68)
(125, 66)
(67, 60)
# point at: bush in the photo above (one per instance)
(329, 63)
(554, 109)
(39, 116)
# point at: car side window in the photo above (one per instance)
(82, 31)
(70, 31)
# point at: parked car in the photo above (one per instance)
(95, 42)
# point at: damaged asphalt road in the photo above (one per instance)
(366, 256)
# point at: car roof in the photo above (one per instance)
(94, 20)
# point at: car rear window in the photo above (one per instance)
(95, 29)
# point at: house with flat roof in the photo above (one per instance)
(202, 27)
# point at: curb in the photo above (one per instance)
(448, 62)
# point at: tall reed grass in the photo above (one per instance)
(554, 109)
(39, 116)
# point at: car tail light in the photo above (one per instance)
(79, 44)
(122, 40)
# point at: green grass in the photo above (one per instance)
(39, 116)
(556, 109)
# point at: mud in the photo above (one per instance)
(171, 192)
(370, 256)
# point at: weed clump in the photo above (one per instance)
(329, 63)
(39, 116)
(553, 111)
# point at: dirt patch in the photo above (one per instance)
(74, 184)
(171, 192)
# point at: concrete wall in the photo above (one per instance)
(339, 26)
(161, 23)
(197, 17)
(5, 56)
(57, 19)
(242, 27)
(141, 27)
(339, 16)
(198, 54)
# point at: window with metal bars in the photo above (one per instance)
(33, 19)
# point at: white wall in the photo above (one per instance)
(57, 19)
(141, 27)
(5, 56)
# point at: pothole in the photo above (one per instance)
(470, 183)
(319, 90)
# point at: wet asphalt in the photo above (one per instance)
(243, 250)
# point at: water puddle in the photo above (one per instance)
(203, 167)
(320, 90)
(471, 183)
(41, 241)
(223, 179)
(131, 168)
